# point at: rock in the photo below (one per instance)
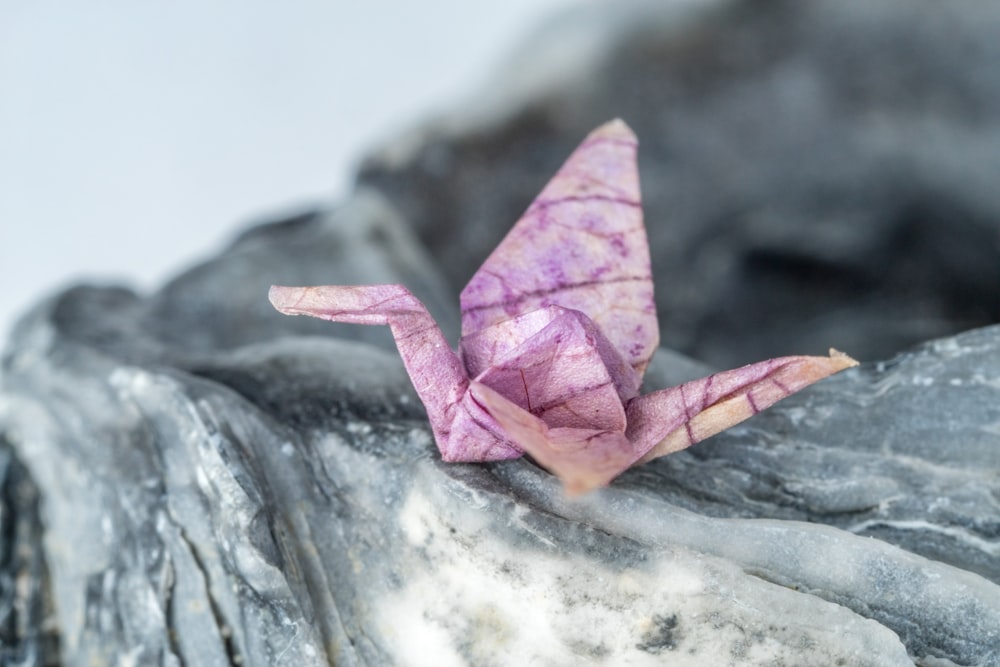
(25, 594)
(811, 171)
(363, 240)
(281, 503)
(223, 485)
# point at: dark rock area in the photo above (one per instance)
(811, 172)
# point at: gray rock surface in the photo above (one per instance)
(223, 485)
(282, 502)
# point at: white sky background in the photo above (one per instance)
(138, 137)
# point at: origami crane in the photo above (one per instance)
(558, 326)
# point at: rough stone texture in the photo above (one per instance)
(219, 483)
(282, 502)
(25, 598)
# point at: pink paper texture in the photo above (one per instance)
(558, 326)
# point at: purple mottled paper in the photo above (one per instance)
(581, 245)
(558, 326)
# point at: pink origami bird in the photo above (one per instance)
(558, 326)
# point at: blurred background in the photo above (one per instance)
(813, 174)
(136, 138)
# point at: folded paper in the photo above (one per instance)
(558, 326)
